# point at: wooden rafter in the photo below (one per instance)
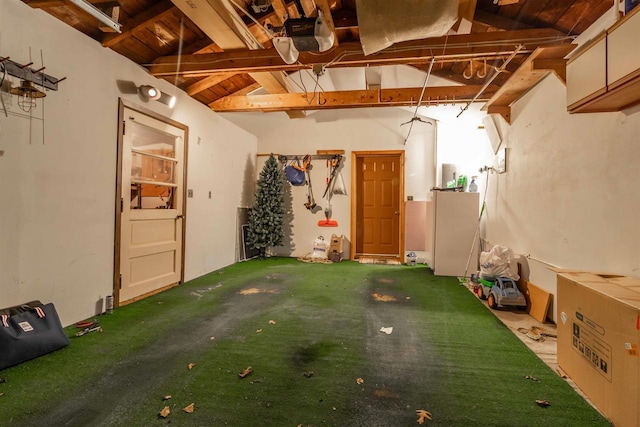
(350, 99)
(464, 46)
(531, 71)
(323, 5)
(220, 21)
(44, 4)
(207, 82)
(149, 16)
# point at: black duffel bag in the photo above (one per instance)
(28, 331)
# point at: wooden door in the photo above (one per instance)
(378, 195)
(151, 205)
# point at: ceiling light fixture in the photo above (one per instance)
(98, 14)
(166, 99)
(149, 92)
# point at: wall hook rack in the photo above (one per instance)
(24, 72)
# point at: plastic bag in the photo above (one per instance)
(500, 261)
(320, 248)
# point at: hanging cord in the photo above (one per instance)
(4, 74)
(424, 86)
(43, 87)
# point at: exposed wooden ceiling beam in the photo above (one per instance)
(280, 9)
(246, 90)
(467, 9)
(207, 82)
(221, 22)
(44, 4)
(557, 65)
(527, 76)
(323, 5)
(500, 22)
(141, 20)
(350, 99)
(351, 55)
(202, 45)
(345, 18)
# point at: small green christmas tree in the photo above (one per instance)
(266, 218)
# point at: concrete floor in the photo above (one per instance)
(546, 349)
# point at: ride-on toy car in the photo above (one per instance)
(503, 291)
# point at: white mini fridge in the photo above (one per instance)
(454, 217)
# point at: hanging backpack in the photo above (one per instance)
(295, 173)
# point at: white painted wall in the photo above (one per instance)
(570, 195)
(57, 193)
(349, 130)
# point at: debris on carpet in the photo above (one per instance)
(272, 322)
(248, 370)
(253, 291)
(164, 412)
(359, 381)
(383, 298)
(423, 415)
(386, 393)
(167, 397)
(89, 326)
(387, 330)
(307, 374)
(543, 403)
(190, 366)
(530, 377)
(189, 408)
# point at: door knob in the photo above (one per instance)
(180, 217)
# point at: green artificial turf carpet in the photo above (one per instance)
(311, 335)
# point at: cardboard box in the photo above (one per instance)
(337, 244)
(598, 337)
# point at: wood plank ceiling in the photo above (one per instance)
(477, 54)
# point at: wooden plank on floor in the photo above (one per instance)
(538, 300)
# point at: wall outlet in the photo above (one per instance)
(189, 193)
(209, 194)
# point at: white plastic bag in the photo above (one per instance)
(320, 248)
(500, 261)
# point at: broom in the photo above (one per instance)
(463, 279)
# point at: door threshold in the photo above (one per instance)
(388, 260)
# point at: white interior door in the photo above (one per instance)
(151, 206)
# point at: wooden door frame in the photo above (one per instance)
(355, 155)
(122, 104)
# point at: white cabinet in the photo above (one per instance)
(587, 72)
(455, 220)
(623, 52)
(605, 75)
